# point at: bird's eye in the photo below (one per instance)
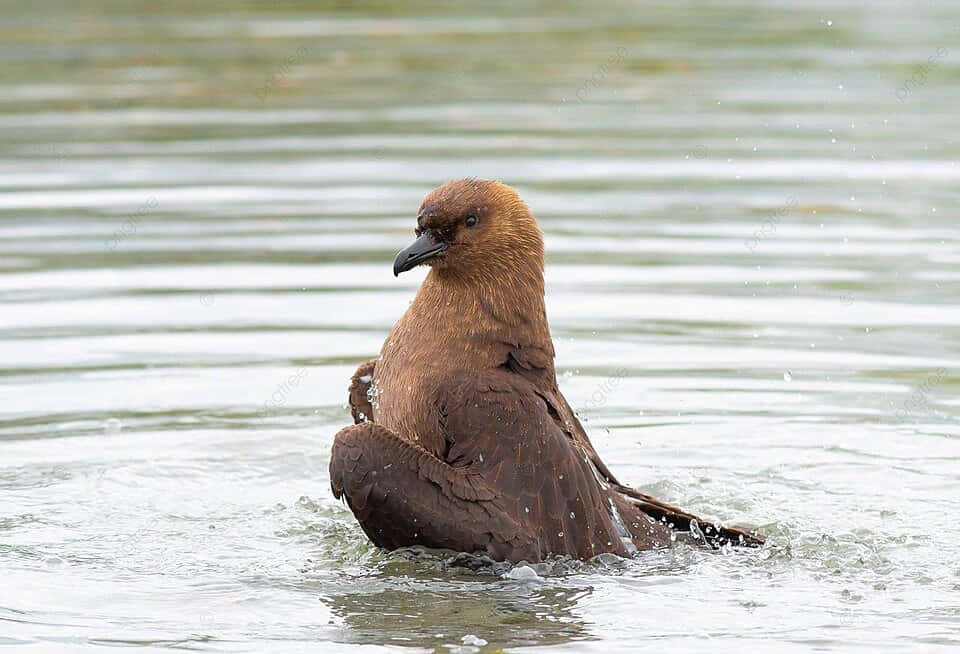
(470, 221)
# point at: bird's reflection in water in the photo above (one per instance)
(422, 600)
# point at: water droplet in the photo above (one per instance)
(522, 573)
(573, 515)
(787, 376)
(560, 534)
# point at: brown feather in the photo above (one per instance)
(472, 446)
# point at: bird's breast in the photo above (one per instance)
(430, 345)
(404, 389)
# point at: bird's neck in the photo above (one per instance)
(490, 309)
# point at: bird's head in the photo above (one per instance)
(474, 228)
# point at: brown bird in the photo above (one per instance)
(462, 440)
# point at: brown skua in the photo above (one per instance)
(462, 439)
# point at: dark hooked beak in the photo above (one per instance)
(425, 247)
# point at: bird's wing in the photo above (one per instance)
(536, 366)
(572, 427)
(360, 407)
(567, 421)
(497, 424)
(403, 495)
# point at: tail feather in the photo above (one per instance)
(715, 536)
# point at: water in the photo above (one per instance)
(753, 271)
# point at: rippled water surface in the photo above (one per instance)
(751, 213)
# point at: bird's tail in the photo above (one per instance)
(714, 535)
